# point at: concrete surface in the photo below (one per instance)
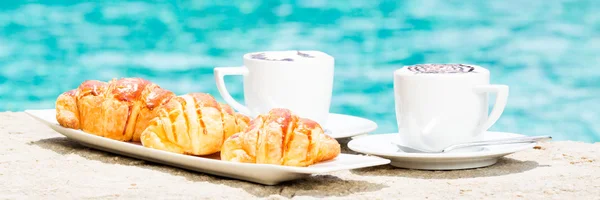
(38, 163)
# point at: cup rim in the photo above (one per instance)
(478, 71)
(322, 56)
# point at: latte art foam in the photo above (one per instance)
(441, 68)
(281, 56)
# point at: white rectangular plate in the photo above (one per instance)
(259, 173)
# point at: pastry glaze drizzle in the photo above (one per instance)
(158, 96)
(186, 117)
(289, 136)
(226, 110)
(92, 87)
(192, 123)
(204, 100)
(128, 90)
(151, 97)
(310, 125)
(283, 118)
(260, 122)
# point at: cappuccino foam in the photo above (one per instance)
(289, 56)
(441, 68)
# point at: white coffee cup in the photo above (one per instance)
(436, 109)
(301, 81)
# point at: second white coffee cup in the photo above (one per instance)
(435, 109)
(301, 81)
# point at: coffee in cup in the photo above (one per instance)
(301, 81)
(438, 105)
(441, 68)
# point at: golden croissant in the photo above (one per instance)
(281, 138)
(194, 124)
(119, 109)
(123, 108)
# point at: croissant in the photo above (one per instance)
(193, 124)
(121, 109)
(281, 138)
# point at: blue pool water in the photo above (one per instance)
(546, 51)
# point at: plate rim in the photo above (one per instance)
(368, 161)
(354, 146)
(372, 126)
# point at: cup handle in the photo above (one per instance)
(220, 73)
(501, 99)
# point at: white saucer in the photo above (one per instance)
(344, 126)
(381, 145)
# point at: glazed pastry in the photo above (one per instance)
(281, 138)
(119, 109)
(193, 124)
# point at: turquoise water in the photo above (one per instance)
(546, 51)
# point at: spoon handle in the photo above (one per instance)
(526, 139)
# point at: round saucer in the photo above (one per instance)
(344, 126)
(382, 145)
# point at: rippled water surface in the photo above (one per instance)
(546, 51)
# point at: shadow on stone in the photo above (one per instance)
(504, 166)
(316, 185)
(344, 146)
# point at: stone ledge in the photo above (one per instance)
(36, 162)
